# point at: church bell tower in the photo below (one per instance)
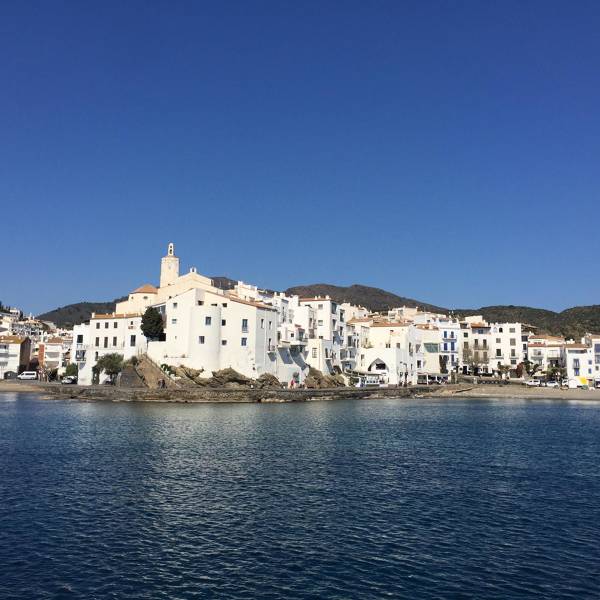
(169, 267)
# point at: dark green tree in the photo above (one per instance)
(443, 360)
(152, 324)
(71, 370)
(111, 364)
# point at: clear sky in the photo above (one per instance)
(446, 151)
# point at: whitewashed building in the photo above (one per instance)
(15, 354)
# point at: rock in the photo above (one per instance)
(315, 380)
(226, 377)
(267, 381)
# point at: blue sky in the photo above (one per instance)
(446, 151)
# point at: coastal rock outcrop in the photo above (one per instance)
(317, 380)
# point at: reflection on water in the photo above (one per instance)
(369, 499)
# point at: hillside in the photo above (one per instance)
(372, 298)
(73, 314)
(573, 322)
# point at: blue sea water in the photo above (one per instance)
(348, 499)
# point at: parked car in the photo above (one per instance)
(29, 375)
(69, 380)
(532, 383)
(552, 384)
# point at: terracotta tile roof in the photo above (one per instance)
(147, 288)
(115, 316)
(576, 347)
(316, 299)
(390, 324)
(359, 320)
(55, 340)
(11, 339)
(249, 302)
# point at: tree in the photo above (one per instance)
(71, 370)
(111, 364)
(443, 363)
(504, 371)
(475, 357)
(556, 373)
(152, 324)
(531, 367)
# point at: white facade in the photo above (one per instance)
(106, 334)
(15, 353)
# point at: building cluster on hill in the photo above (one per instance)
(256, 332)
(28, 343)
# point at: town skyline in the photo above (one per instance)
(38, 307)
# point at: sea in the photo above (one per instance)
(392, 498)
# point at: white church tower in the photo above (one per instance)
(169, 267)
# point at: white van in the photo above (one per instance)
(27, 375)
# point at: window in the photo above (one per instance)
(106, 342)
(97, 325)
(511, 330)
(498, 341)
(97, 342)
(96, 356)
(173, 321)
(201, 339)
(106, 325)
(498, 352)
(174, 304)
(80, 339)
(465, 334)
(513, 341)
(114, 341)
(223, 322)
(320, 322)
(314, 353)
(207, 320)
(244, 341)
(445, 346)
(115, 325)
(500, 329)
(244, 325)
(223, 342)
(132, 341)
(200, 303)
(513, 352)
(320, 306)
(262, 323)
(270, 324)
(224, 304)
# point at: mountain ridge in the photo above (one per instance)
(572, 322)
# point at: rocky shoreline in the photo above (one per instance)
(205, 394)
(270, 395)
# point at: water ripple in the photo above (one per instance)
(358, 499)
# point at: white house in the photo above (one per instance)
(579, 363)
(113, 333)
(15, 353)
